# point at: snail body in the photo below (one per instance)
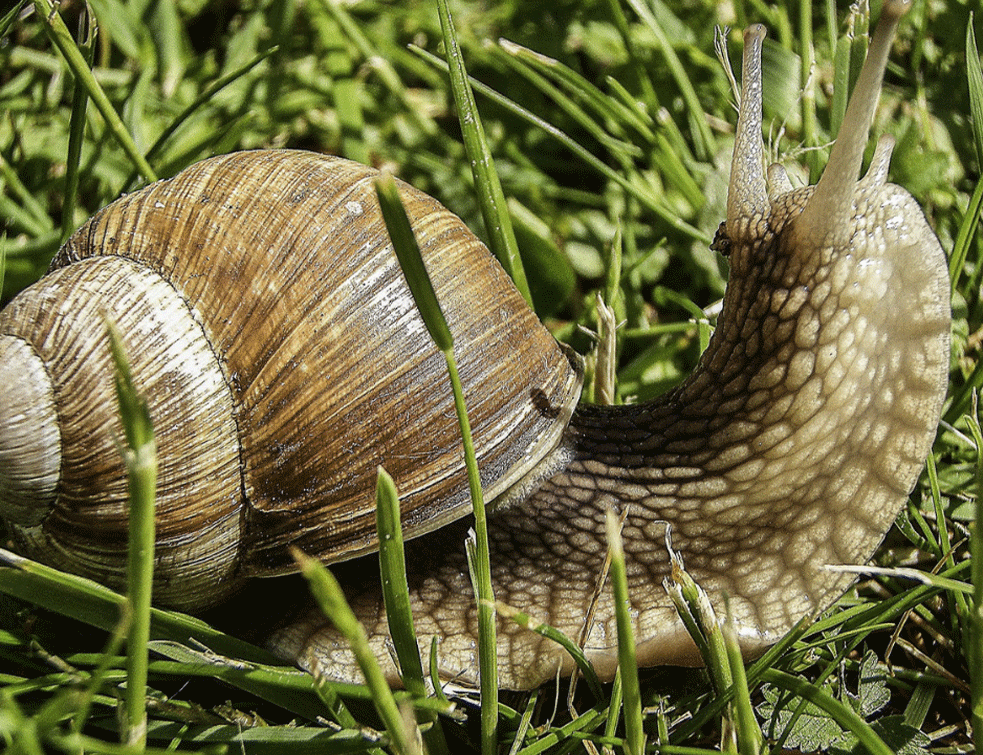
(792, 446)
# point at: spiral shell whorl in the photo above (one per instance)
(83, 528)
(30, 452)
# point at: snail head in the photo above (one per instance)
(867, 216)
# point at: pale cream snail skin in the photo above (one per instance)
(301, 365)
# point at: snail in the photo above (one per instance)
(269, 326)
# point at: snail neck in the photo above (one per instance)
(698, 435)
(797, 396)
(756, 386)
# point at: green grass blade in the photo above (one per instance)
(25, 209)
(9, 17)
(80, 98)
(843, 714)
(346, 89)
(395, 591)
(207, 96)
(396, 595)
(524, 620)
(627, 665)
(286, 686)
(89, 602)
(696, 612)
(112, 649)
(964, 242)
(807, 100)
(585, 722)
(615, 702)
(411, 262)
(975, 644)
(971, 220)
(410, 259)
(841, 83)
(975, 77)
(628, 109)
(121, 22)
(62, 39)
(562, 84)
(491, 198)
(749, 736)
(552, 278)
(965, 394)
(170, 41)
(329, 596)
(480, 563)
(140, 456)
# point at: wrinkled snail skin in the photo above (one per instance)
(792, 446)
(268, 324)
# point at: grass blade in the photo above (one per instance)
(975, 76)
(975, 649)
(329, 596)
(562, 84)
(411, 262)
(408, 253)
(491, 198)
(396, 595)
(8, 18)
(62, 39)
(749, 736)
(524, 620)
(140, 456)
(971, 220)
(627, 665)
(80, 98)
(206, 96)
(395, 591)
(842, 713)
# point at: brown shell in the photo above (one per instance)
(270, 326)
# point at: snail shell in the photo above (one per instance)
(284, 360)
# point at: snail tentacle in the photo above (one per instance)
(880, 163)
(747, 197)
(826, 218)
